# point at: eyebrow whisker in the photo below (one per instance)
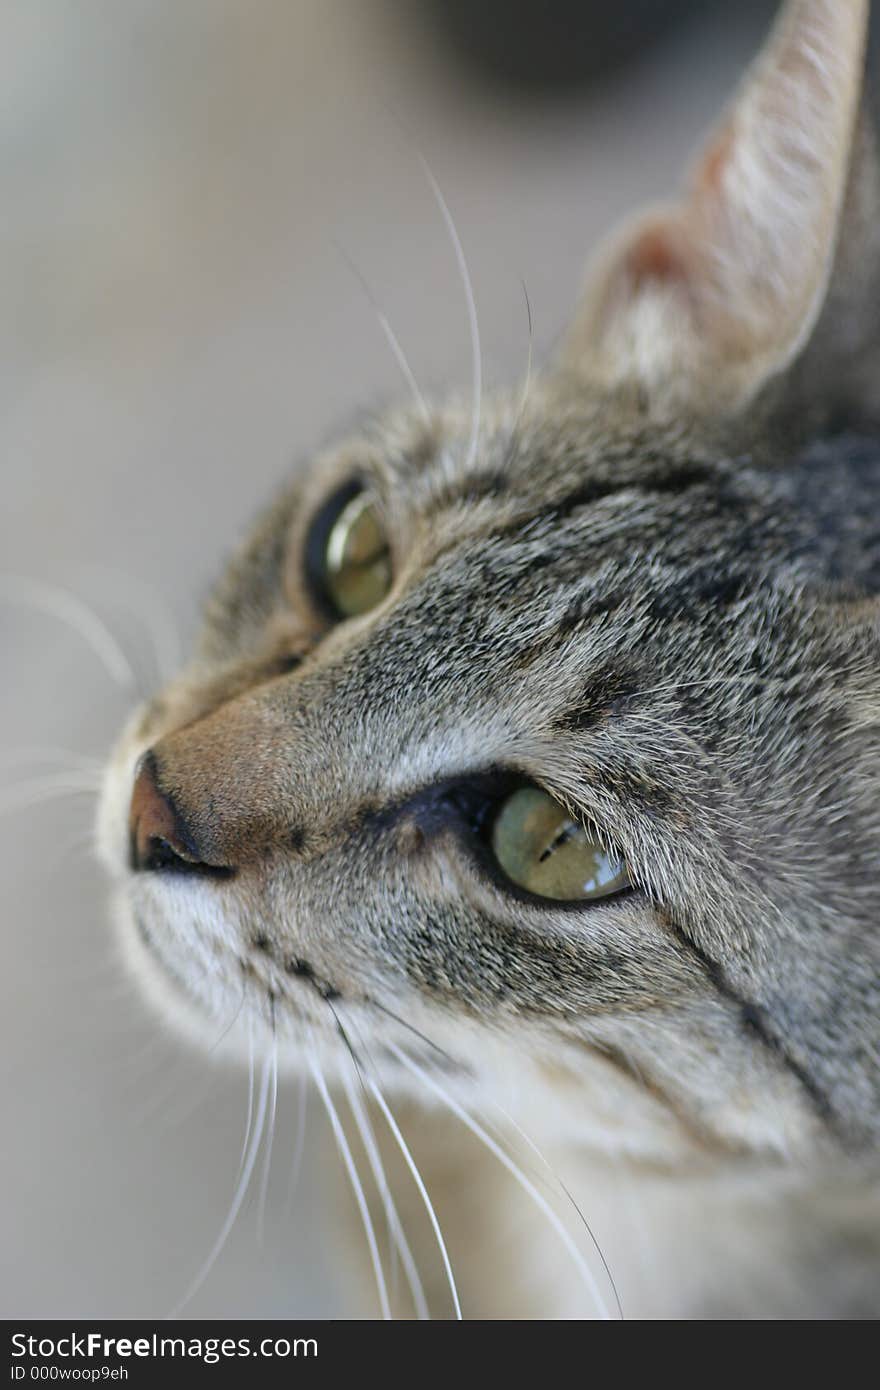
(476, 358)
(390, 335)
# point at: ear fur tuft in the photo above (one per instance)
(702, 304)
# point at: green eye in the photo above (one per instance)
(540, 848)
(356, 562)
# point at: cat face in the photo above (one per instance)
(613, 595)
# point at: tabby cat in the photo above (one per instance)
(525, 780)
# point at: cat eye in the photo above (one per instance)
(351, 557)
(542, 849)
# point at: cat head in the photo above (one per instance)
(538, 739)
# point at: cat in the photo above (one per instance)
(526, 775)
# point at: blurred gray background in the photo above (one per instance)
(178, 328)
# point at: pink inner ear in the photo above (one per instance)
(712, 165)
(656, 254)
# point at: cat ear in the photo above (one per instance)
(702, 303)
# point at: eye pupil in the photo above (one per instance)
(357, 558)
(540, 848)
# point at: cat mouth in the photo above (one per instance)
(314, 1005)
(252, 980)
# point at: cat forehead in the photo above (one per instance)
(534, 469)
(567, 511)
(519, 446)
(555, 490)
(541, 472)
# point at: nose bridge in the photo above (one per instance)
(297, 757)
(232, 776)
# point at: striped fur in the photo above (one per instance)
(663, 605)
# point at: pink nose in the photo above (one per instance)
(158, 837)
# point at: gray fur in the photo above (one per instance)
(671, 622)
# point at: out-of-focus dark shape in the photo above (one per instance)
(560, 46)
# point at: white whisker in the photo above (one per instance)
(564, 1190)
(250, 1100)
(41, 789)
(422, 1190)
(221, 1037)
(374, 1158)
(356, 1186)
(504, 1159)
(69, 609)
(83, 842)
(390, 336)
(476, 359)
(45, 752)
(239, 1194)
(157, 1103)
(145, 604)
(299, 1147)
(742, 677)
(176, 1115)
(267, 1162)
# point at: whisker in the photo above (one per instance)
(145, 603)
(476, 358)
(390, 336)
(239, 1194)
(398, 1234)
(267, 1161)
(566, 1192)
(423, 1037)
(742, 677)
(72, 779)
(45, 752)
(160, 1101)
(42, 789)
(176, 1115)
(422, 1190)
(232, 1022)
(356, 1186)
(250, 1100)
(165, 1096)
(78, 616)
(300, 1145)
(374, 1158)
(82, 843)
(504, 1159)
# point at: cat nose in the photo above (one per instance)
(159, 839)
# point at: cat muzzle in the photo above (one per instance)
(159, 839)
